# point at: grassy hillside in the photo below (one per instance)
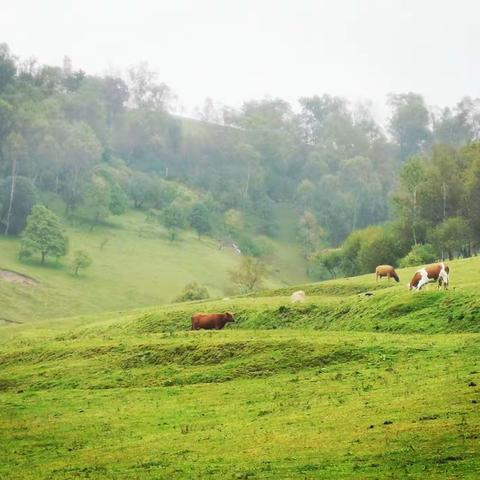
(136, 267)
(343, 386)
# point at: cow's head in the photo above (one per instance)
(229, 317)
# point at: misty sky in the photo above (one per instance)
(232, 50)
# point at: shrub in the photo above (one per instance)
(329, 260)
(193, 291)
(419, 254)
(255, 246)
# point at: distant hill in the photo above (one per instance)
(138, 266)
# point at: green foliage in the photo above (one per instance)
(410, 123)
(117, 181)
(234, 221)
(350, 251)
(254, 246)
(420, 254)
(118, 200)
(249, 275)
(6, 118)
(81, 261)
(142, 189)
(24, 197)
(193, 291)
(97, 201)
(8, 68)
(200, 219)
(365, 249)
(381, 249)
(309, 233)
(174, 219)
(61, 128)
(452, 238)
(331, 260)
(43, 234)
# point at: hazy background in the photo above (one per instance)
(233, 51)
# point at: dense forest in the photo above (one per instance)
(88, 147)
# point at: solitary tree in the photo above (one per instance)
(44, 234)
(81, 260)
(249, 275)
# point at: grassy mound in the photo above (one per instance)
(342, 386)
(242, 404)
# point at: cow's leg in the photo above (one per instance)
(443, 280)
(424, 281)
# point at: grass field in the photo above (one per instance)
(137, 267)
(342, 386)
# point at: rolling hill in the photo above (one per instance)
(342, 386)
(137, 266)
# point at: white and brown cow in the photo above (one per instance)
(431, 273)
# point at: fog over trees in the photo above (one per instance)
(89, 147)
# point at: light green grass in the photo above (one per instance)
(134, 269)
(343, 386)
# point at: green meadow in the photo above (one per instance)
(134, 265)
(345, 385)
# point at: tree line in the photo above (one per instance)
(435, 216)
(93, 146)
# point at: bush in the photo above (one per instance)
(419, 255)
(193, 291)
(379, 250)
(326, 261)
(253, 246)
(248, 276)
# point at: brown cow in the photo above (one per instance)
(211, 321)
(430, 273)
(386, 271)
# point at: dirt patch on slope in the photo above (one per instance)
(15, 277)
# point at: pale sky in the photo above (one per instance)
(234, 50)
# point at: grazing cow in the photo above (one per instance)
(298, 297)
(211, 321)
(386, 271)
(428, 274)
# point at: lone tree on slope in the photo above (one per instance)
(81, 260)
(43, 234)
